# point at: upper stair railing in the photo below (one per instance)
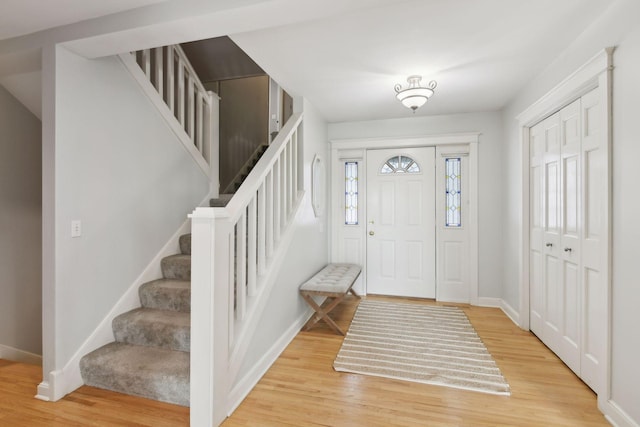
(230, 290)
(184, 97)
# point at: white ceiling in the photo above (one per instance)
(19, 17)
(481, 52)
(344, 56)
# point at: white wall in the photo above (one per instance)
(119, 169)
(619, 26)
(307, 254)
(20, 227)
(490, 176)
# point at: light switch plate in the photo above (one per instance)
(76, 228)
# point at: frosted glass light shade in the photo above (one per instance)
(415, 95)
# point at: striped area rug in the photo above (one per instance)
(426, 344)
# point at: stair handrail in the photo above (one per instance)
(229, 290)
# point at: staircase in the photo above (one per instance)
(224, 198)
(150, 354)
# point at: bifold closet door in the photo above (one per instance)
(555, 307)
(568, 244)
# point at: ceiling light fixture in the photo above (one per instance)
(415, 95)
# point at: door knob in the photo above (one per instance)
(549, 245)
(371, 233)
(568, 249)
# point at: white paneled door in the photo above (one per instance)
(567, 252)
(401, 222)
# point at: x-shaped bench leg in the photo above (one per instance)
(323, 312)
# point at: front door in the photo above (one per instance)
(401, 222)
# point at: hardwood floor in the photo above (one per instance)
(87, 406)
(302, 389)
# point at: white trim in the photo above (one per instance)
(405, 142)
(474, 225)
(43, 392)
(244, 386)
(258, 302)
(510, 312)
(571, 88)
(17, 355)
(615, 415)
(68, 378)
(148, 89)
(355, 149)
(489, 302)
(596, 73)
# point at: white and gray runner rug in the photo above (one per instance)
(426, 344)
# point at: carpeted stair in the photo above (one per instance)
(150, 355)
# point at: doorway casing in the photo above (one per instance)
(595, 74)
(348, 243)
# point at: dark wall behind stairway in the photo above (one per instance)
(244, 122)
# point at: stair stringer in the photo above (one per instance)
(68, 379)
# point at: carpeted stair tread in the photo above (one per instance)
(185, 244)
(176, 267)
(166, 294)
(150, 372)
(151, 327)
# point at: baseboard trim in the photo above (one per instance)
(616, 415)
(44, 391)
(510, 312)
(489, 302)
(68, 379)
(17, 355)
(243, 387)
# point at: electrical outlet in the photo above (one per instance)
(76, 228)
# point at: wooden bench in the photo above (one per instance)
(334, 282)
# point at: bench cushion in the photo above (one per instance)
(334, 278)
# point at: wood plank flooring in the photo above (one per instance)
(302, 389)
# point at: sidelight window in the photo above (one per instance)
(351, 193)
(453, 214)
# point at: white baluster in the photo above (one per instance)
(200, 124)
(262, 232)
(146, 63)
(191, 114)
(277, 205)
(231, 268)
(252, 240)
(269, 215)
(159, 71)
(181, 95)
(241, 267)
(283, 190)
(171, 84)
(294, 142)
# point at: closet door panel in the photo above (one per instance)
(594, 246)
(571, 226)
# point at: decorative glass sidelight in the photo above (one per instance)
(453, 217)
(351, 193)
(400, 164)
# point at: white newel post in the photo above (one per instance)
(202, 317)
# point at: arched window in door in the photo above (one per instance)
(400, 164)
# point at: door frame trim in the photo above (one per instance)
(595, 74)
(355, 149)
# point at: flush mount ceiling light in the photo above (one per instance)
(415, 95)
